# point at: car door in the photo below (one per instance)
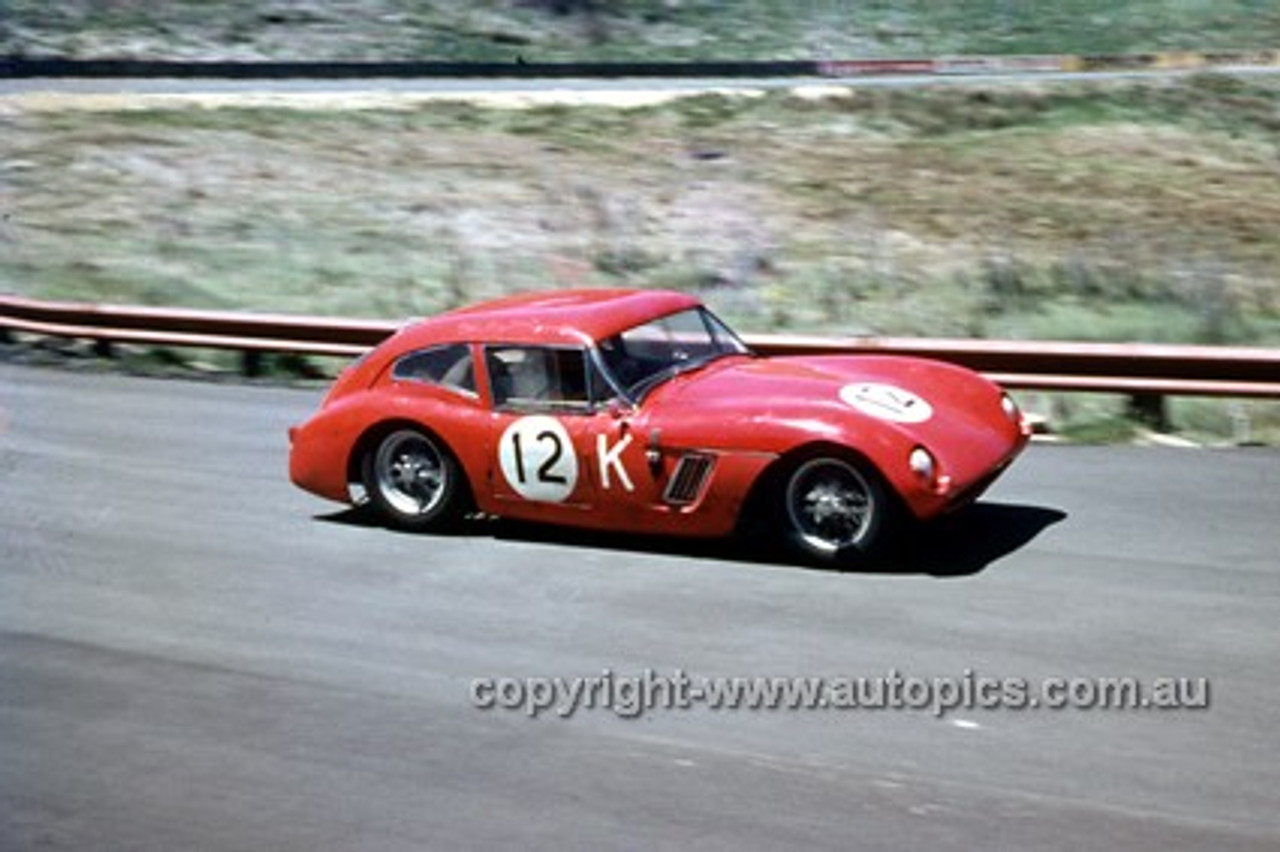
(563, 448)
(539, 440)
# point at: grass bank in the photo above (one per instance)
(497, 30)
(1142, 211)
(1137, 211)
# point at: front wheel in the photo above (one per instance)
(836, 511)
(414, 481)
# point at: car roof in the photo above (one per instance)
(554, 317)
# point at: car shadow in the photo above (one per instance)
(968, 541)
(961, 544)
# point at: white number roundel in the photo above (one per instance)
(887, 402)
(538, 460)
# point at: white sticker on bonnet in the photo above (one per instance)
(886, 402)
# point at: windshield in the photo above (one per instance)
(646, 355)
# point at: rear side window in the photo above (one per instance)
(449, 366)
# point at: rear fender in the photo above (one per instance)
(368, 441)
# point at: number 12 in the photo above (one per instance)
(545, 472)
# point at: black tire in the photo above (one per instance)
(414, 482)
(836, 511)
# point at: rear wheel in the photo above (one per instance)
(414, 481)
(836, 511)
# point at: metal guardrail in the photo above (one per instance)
(1128, 368)
(21, 67)
(109, 68)
(1136, 369)
(247, 332)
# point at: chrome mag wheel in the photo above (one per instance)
(414, 481)
(833, 508)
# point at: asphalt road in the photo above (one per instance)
(195, 655)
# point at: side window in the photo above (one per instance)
(449, 365)
(538, 378)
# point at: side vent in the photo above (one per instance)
(688, 479)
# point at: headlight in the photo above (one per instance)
(1010, 408)
(922, 464)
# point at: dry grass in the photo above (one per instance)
(1143, 211)
(1134, 212)
(622, 29)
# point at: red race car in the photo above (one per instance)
(640, 411)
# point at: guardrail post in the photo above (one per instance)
(1149, 409)
(6, 335)
(103, 348)
(251, 363)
